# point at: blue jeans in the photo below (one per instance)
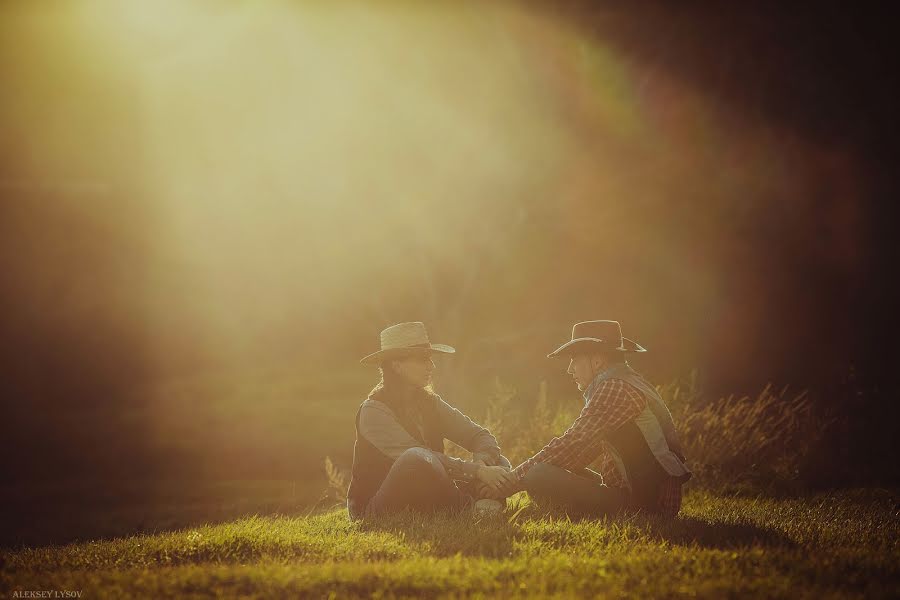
(418, 480)
(578, 494)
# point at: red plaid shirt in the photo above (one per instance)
(612, 404)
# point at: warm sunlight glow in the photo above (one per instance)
(259, 183)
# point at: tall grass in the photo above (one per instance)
(760, 440)
(748, 442)
(763, 440)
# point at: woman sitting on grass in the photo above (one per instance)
(398, 458)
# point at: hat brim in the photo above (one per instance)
(580, 344)
(393, 353)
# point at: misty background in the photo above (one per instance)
(208, 211)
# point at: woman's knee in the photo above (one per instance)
(420, 459)
(415, 455)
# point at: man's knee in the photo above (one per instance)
(539, 474)
(548, 483)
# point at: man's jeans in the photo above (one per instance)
(579, 495)
(418, 479)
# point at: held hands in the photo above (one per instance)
(508, 488)
(497, 479)
(484, 491)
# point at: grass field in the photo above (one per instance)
(841, 544)
(215, 536)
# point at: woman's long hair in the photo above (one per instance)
(393, 388)
(409, 404)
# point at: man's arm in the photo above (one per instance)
(613, 404)
(460, 429)
(606, 466)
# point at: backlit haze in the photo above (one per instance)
(210, 210)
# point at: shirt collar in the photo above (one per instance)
(598, 379)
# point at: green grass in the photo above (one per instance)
(843, 544)
(188, 536)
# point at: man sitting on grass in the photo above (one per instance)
(625, 427)
(398, 458)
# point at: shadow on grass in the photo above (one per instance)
(688, 531)
(445, 534)
(60, 514)
(55, 513)
(682, 531)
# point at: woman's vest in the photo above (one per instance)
(371, 466)
(646, 450)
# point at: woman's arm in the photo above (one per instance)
(380, 427)
(460, 429)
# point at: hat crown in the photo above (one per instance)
(606, 331)
(404, 335)
(603, 334)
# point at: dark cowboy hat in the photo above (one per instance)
(604, 335)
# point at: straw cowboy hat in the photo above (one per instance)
(404, 339)
(605, 335)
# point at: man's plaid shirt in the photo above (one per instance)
(612, 404)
